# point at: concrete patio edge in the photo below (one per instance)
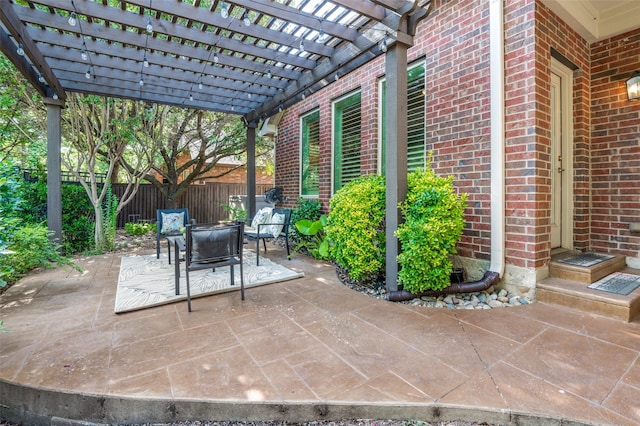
(32, 405)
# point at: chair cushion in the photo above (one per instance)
(277, 223)
(172, 222)
(262, 216)
(210, 244)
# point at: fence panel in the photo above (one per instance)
(205, 202)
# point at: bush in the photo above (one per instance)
(303, 209)
(139, 228)
(77, 214)
(31, 249)
(433, 224)
(356, 228)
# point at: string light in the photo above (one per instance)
(190, 97)
(72, 19)
(40, 78)
(149, 26)
(215, 57)
(20, 50)
(336, 77)
(269, 75)
(302, 45)
(84, 55)
(249, 95)
(141, 82)
(145, 62)
(322, 37)
(224, 11)
(245, 18)
(200, 86)
(88, 74)
(383, 45)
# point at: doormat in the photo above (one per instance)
(586, 259)
(618, 283)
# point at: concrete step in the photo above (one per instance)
(577, 295)
(584, 274)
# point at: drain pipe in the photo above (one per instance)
(496, 268)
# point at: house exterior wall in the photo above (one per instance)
(454, 43)
(615, 147)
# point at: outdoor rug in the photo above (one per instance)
(145, 281)
(618, 283)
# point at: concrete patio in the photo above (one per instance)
(307, 349)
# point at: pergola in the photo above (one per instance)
(252, 58)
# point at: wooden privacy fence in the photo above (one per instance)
(205, 202)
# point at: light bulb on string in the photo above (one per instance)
(224, 10)
(84, 55)
(383, 45)
(149, 26)
(269, 75)
(245, 19)
(145, 62)
(322, 36)
(200, 86)
(87, 74)
(72, 19)
(302, 45)
(141, 82)
(41, 78)
(20, 50)
(215, 58)
(190, 97)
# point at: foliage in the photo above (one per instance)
(356, 228)
(31, 248)
(433, 224)
(191, 143)
(77, 214)
(109, 216)
(317, 244)
(235, 212)
(304, 208)
(139, 228)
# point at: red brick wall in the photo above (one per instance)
(615, 146)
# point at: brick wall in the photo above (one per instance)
(615, 146)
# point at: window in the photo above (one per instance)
(310, 154)
(346, 140)
(416, 115)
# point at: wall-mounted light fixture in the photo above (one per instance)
(633, 86)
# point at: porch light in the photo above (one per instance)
(72, 19)
(224, 11)
(633, 86)
(20, 50)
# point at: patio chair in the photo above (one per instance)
(210, 246)
(269, 223)
(169, 225)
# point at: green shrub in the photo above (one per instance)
(318, 243)
(139, 228)
(303, 209)
(31, 248)
(433, 224)
(356, 228)
(77, 214)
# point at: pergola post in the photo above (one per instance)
(251, 169)
(54, 180)
(395, 153)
